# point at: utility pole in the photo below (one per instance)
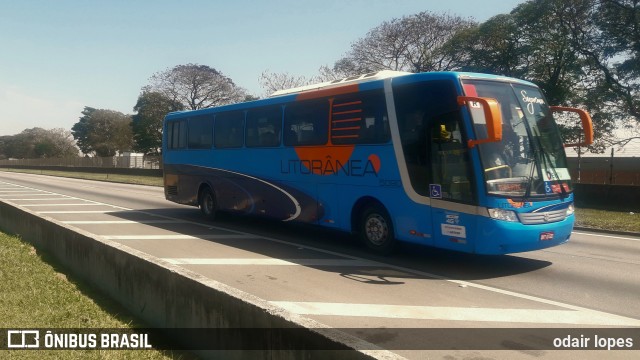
(611, 166)
(579, 159)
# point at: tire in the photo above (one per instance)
(207, 203)
(376, 230)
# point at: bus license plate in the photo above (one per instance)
(546, 236)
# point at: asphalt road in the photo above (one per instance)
(591, 282)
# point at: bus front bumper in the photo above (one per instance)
(497, 237)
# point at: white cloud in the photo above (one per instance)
(21, 110)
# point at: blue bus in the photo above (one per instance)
(461, 161)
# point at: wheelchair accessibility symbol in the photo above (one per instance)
(547, 187)
(435, 191)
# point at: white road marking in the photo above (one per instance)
(78, 212)
(208, 226)
(173, 237)
(11, 192)
(38, 194)
(121, 222)
(583, 317)
(41, 199)
(79, 204)
(606, 236)
(269, 261)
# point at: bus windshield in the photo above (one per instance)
(530, 160)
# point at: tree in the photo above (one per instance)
(272, 82)
(196, 86)
(491, 47)
(580, 52)
(611, 47)
(103, 132)
(413, 43)
(146, 124)
(81, 129)
(38, 143)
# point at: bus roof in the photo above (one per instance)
(379, 75)
(346, 82)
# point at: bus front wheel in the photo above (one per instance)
(207, 203)
(376, 230)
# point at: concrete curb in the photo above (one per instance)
(168, 296)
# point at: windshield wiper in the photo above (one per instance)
(527, 192)
(549, 167)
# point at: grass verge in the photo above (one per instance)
(34, 293)
(608, 220)
(119, 178)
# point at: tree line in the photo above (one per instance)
(583, 53)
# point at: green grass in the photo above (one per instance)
(118, 178)
(608, 220)
(34, 293)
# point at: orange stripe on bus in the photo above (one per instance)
(345, 136)
(347, 104)
(347, 128)
(346, 120)
(348, 112)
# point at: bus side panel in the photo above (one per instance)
(242, 193)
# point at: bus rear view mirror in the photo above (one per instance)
(585, 119)
(492, 117)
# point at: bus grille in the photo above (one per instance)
(542, 217)
(172, 190)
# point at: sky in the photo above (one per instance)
(56, 57)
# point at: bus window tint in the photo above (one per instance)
(264, 127)
(359, 119)
(201, 132)
(177, 134)
(305, 123)
(228, 132)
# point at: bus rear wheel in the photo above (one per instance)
(207, 203)
(376, 230)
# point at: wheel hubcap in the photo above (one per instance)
(376, 229)
(208, 203)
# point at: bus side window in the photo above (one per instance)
(229, 130)
(177, 134)
(201, 132)
(264, 127)
(306, 123)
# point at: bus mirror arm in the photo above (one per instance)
(492, 116)
(585, 119)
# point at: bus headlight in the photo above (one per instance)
(570, 210)
(502, 214)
